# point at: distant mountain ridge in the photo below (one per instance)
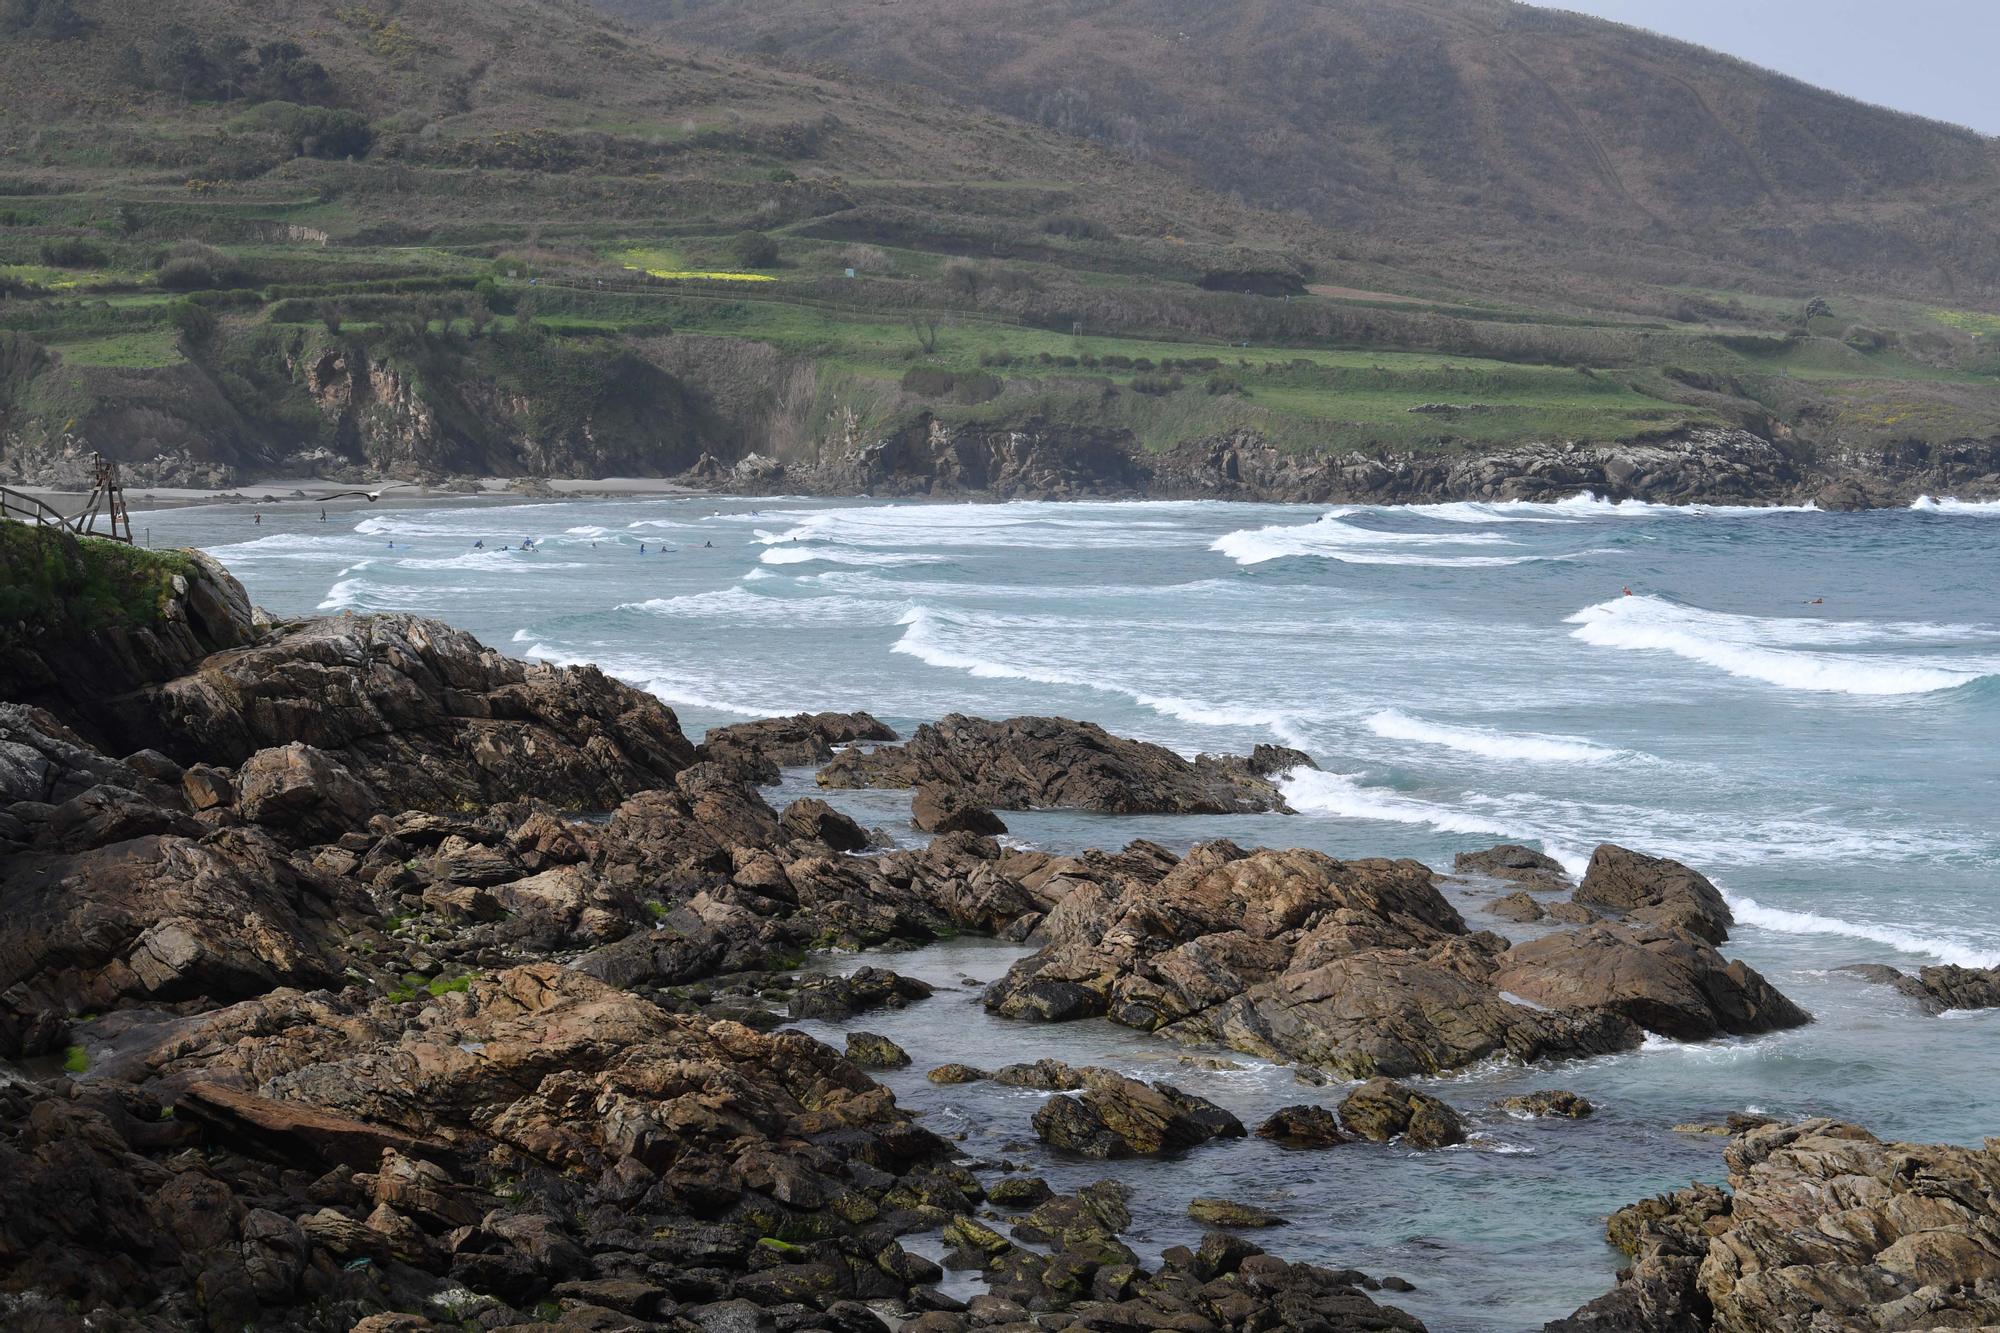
(1485, 124)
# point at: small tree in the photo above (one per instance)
(329, 315)
(925, 326)
(753, 249)
(963, 278)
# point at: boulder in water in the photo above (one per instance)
(1117, 1116)
(1382, 1109)
(1656, 890)
(1053, 763)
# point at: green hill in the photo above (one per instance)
(518, 237)
(1486, 128)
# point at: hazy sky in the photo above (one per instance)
(1933, 57)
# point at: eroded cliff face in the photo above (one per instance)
(1044, 461)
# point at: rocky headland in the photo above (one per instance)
(354, 975)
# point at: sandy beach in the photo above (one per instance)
(318, 491)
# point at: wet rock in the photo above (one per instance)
(1045, 1075)
(871, 1051)
(1224, 1213)
(757, 750)
(819, 822)
(1571, 914)
(1517, 906)
(1937, 989)
(1549, 1102)
(1019, 1192)
(956, 1073)
(1515, 862)
(1382, 1109)
(943, 810)
(1655, 890)
(1355, 967)
(834, 998)
(1304, 1126)
(1054, 763)
(1664, 980)
(1824, 1226)
(1120, 1117)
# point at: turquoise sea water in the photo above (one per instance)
(1805, 706)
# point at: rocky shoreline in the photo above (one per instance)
(1038, 460)
(354, 975)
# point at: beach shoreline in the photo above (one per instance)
(319, 491)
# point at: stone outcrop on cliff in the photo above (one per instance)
(1824, 1226)
(1029, 763)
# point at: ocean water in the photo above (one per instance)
(1803, 705)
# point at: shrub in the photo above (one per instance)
(753, 249)
(43, 20)
(1076, 228)
(927, 382)
(194, 322)
(72, 252)
(192, 266)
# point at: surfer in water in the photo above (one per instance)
(642, 548)
(479, 545)
(257, 519)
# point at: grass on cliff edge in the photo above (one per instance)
(53, 582)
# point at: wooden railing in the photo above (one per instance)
(107, 500)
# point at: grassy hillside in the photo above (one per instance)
(1483, 128)
(515, 236)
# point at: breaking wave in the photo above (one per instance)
(1768, 649)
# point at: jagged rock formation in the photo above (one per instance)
(1028, 763)
(1362, 968)
(1940, 988)
(1824, 1226)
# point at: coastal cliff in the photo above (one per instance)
(1043, 461)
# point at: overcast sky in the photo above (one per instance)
(1933, 57)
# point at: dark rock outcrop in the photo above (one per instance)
(1382, 1109)
(1512, 861)
(1938, 989)
(1029, 763)
(1655, 890)
(943, 810)
(1549, 1102)
(1358, 967)
(1303, 1126)
(1664, 980)
(1116, 1116)
(430, 715)
(757, 750)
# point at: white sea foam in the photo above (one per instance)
(1947, 505)
(740, 604)
(1526, 747)
(1329, 536)
(659, 681)
(1342, 794)
(1763, 648)
(1019, 524)
(802, 555)
(1749, 912)
(925, 632)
